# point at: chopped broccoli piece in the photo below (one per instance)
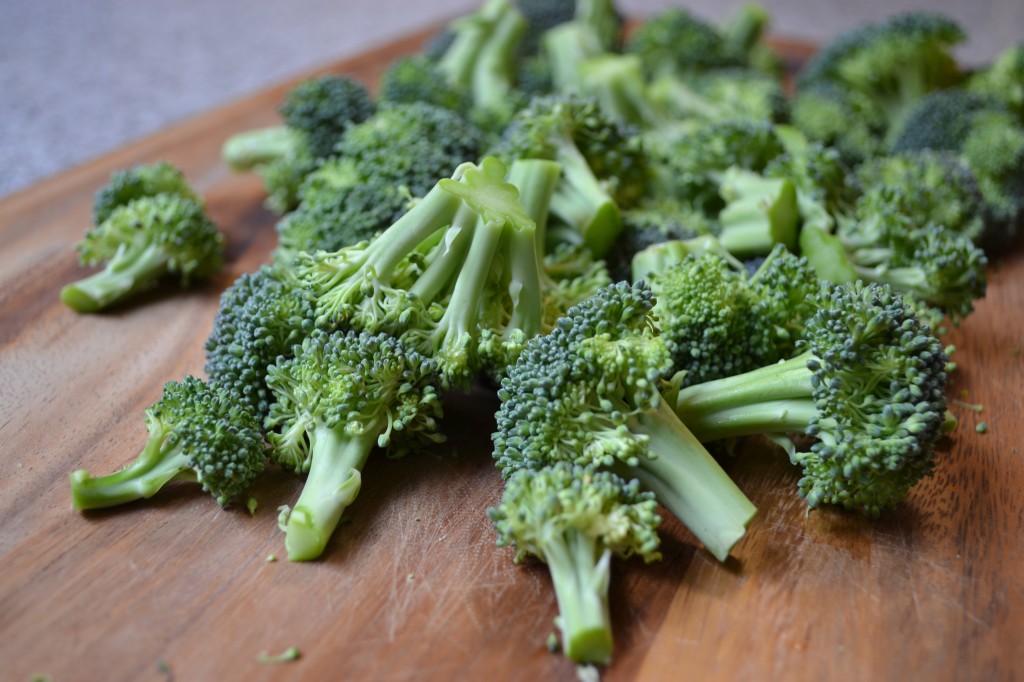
(198, 432)
(144, 180)
(140, 243)
(838, 117)
(675, 41)
(1003, 80)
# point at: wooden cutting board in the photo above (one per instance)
(413, 587)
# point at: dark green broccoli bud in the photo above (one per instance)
(588, 393)
(140, 243)
(198, 432)
(717, 320)
(574, 519)
(339, 397)
(316, 113)
(675, 41)
(868, 388)
(417, 78)
(838, 117)
(894, 63)
(261, 317)
(603, 165)
(140, 181)
(542, 15)
(1003, 80)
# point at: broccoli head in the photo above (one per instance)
(145, 180)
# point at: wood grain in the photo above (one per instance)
(413, 587)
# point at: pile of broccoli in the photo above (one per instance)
(650, 247)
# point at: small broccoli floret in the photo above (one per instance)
(198, 432)
(602, 165)
(341, 395)
(734, 93)
(718, 321)
(821, 178)
(574, 519)
(417, 78)
(868, 388)
(145, 180)
(316, 113)
(261, 317)
(675, 41)
(894, 63)
(1003, 80)
(141, 242)
(838, 117)
(588, 393)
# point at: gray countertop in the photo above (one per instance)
(78, 79)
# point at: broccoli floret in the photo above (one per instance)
(717, 320)
(821, 178)
(735, 93)
(868, 388)
(603, 165)
(894, 63)
(262, 315)
(744, 34)
(144, 180)
(652, 223)
(574, 519)
(542, 15)
(141, 242)
(838, 117)
(675, 41)
(416, 78)
(588, 393)
(1003, 80)
(198, 432)
(316, 113)
(341, 395)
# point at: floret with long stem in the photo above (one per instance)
(199, 433)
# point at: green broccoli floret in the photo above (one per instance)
(341, 395)
(262, 315)
(198, 432)
(894, 63)
(736, 93)
(140, 243)
(675, 41)
(1003, 80)
(316, 113)
(574, 519)
(717, 320)
(868, 388)
(542, 15)
(603, 165)
(416, 78)
(145, 180)
(588, 393)
(744, 34)
(836, 116)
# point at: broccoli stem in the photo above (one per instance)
(827, 255)
(580, 573)
(157, 464)
(761, 213)
(129, 272)
(536, 180)
(583, 203)
(689, 482)
(337, 460)
(455, 245)
(253, 148)
(770, 400)
(618, 84)
(493, 73)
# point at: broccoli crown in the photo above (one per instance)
(416, 78)
(140, 181)
(198, 432)
(261, 316)
(942, 121)
(717, 321)
(354, 383)
(433, 143)
(324, 107)
(839, 117)
(189, 243)
(676, 41)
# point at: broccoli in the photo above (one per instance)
(893, 63)
(836, 116)
(145, 180)
(868, 387)
(650, 223)
(341, 395)
(759, 213)
(588, 393)
(603, 165)
(574, 518)
(416, 78)
(736, 93)
(198, 432)
(262, 315)
(675, 41)
(1003, 80)
(542, 15)
(316, 113)
(141, 242)
(717, 320)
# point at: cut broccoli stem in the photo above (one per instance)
(617, 82)
(337, 460)
(536, 180)
(761, 213)
(455, 244)
(690, 483)
(245, 151)
(127, 273)
(158, 464)
(580, 574)
(583, 203)
(566, 47)
(827, 255)
(525, 281)
(493, 75)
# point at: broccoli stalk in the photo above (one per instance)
(197, 433)
(759, 213)
(341, 395)
(575, 519)
(141, 242)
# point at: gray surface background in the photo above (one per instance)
(79, 78)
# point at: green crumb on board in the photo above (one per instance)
(286, 656)
(977, 407)
(552, 643)
(42, 678)
(164, 668)
(251, 505)
(1015, 352)
(271, 558)
(982, 427)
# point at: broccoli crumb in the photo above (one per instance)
(164, 668)
(42, 678)
(982, 427)
(251, 505)
(286, 656)
(271, 558)
(552, 643)
(1015, 352)
(976, 407)
(587, 673)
